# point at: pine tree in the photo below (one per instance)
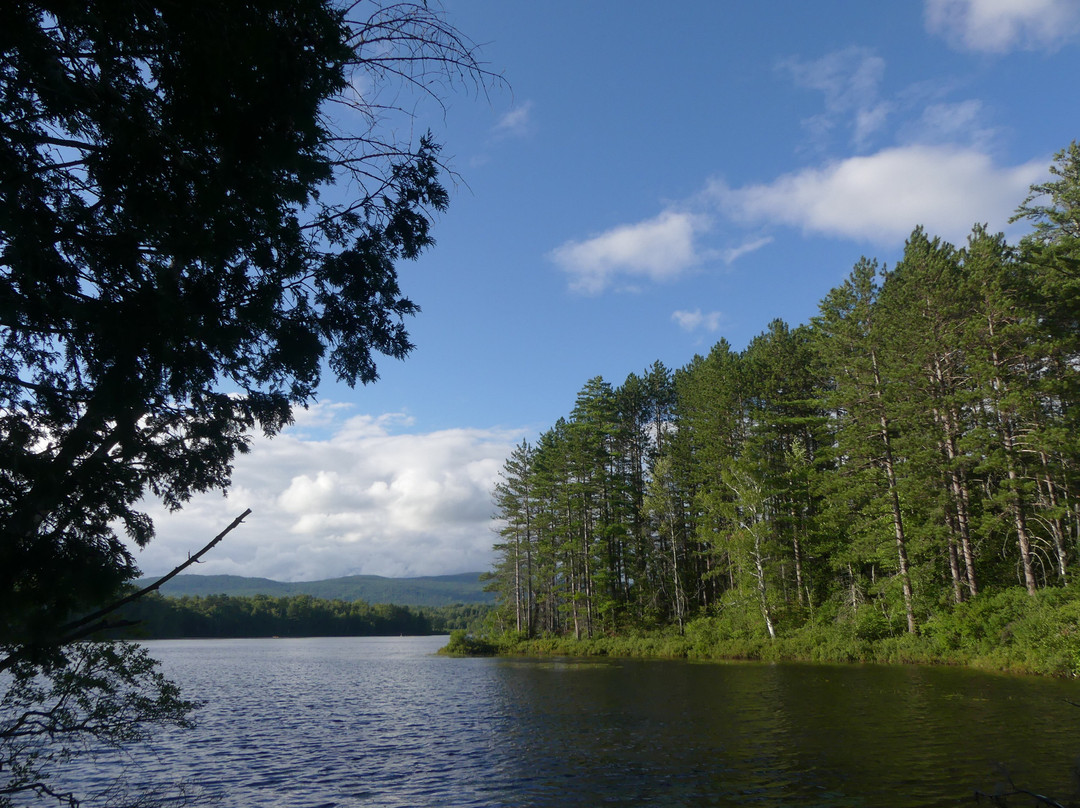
(852, 348)
(710, 430)
(924, 308)
(1050, 260)
(516, 507)
(786, 421)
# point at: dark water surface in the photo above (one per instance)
(383, 722)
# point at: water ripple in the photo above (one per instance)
(381, 722)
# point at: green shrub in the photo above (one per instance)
(871, 623)
(463, 644)
(1004, 630)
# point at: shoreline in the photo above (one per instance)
(1006, 631)
(665, 648)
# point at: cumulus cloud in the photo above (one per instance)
(849, 80)
(879, 198)
(339, 495)
(697, 320)
(659, 249)
(997, 26)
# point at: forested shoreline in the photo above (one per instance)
(896, 478)
(218, 616)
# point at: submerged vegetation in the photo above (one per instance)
(896, 480)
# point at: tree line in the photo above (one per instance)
(157, 617)
(914, 445)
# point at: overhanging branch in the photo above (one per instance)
(100, 613)
(95, 621)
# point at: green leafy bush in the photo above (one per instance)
(464, 644)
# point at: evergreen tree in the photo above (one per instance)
(516, 507)
(645, 407)
(557, 584)
(1050, 260)
(924, 308)
(784, 413)
(852, 347)
(710, 430)
(665, 508)
(172, 272)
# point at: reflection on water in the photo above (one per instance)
(383, 722)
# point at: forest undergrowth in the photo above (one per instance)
(1007, 631)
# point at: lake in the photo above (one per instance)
(343, 722)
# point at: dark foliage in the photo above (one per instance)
(176, 267)
(200, 211)
(263, 616)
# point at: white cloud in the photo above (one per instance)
(360, 499)
(849, 80)
(516, 122)
(697, 321)
(732, 254)
(952, 123)
(658, 249)
(879, 198)
(997, 26)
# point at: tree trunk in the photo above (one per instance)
(894, 502)
(1023, 538)
(797, 550)
(1056, 529)
(677, 577)
(954, 565)
(759, 574)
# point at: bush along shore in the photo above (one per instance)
(1006, 631)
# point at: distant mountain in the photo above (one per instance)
(435, 590)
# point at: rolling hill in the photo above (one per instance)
(436, 590)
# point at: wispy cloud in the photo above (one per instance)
(879, 198)
(998, 26)
(516, 122)
(944, 123)
(733, 254)
(361, 498)
(697, 320)
(849, 80)
(939, 172)
(659, 249)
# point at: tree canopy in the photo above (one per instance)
(202, 211)
(203, 207)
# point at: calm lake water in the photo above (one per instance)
(382, 722)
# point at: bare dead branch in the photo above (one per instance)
(95, 621)
(100, 613)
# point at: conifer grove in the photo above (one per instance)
(914, 445)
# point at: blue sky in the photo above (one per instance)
(649, 181)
